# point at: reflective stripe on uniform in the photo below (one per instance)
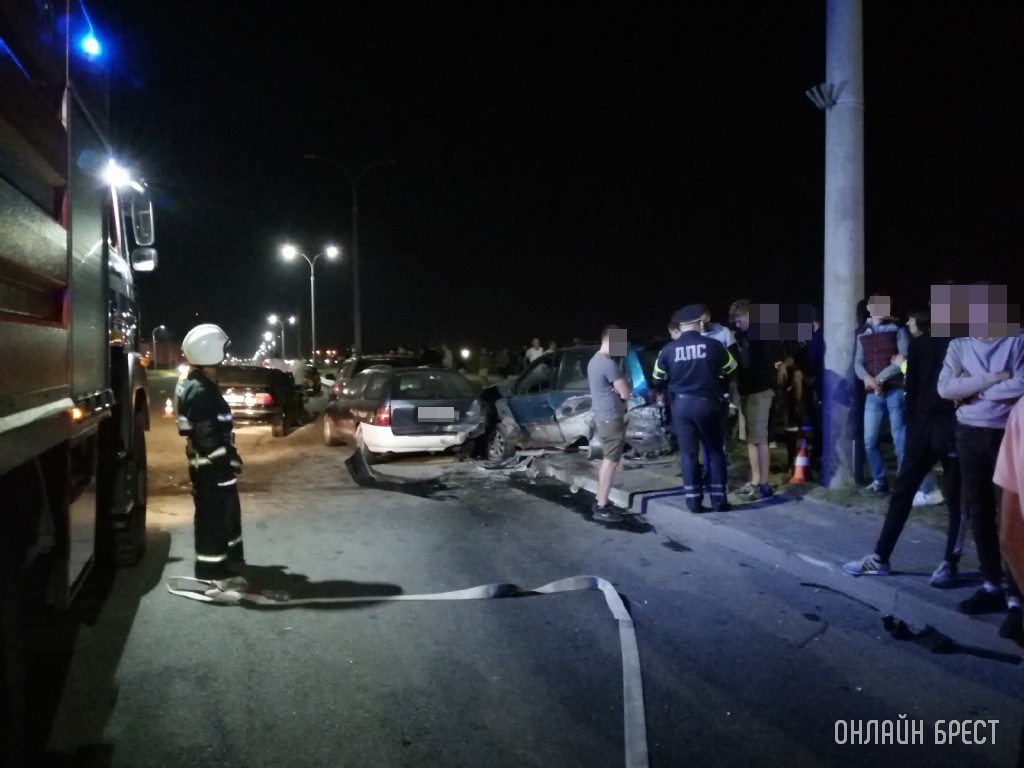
(659, 372)
(730, 364)
(199, 461)
(235, 542)
(184, 425)
(218, 452)
(211, 558)
(224, 417)
(232, 481)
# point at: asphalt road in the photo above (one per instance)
(742, 665)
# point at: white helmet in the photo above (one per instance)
(205, 345)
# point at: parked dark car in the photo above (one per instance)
(259, 395)
(548, 405)
(384, 409)
(357, 363)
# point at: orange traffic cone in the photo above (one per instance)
(168, 409)
(801, 467)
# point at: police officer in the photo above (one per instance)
(205, 419)
(693, 365)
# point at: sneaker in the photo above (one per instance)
(749, 490)
(928, 499)
(945, 576)
(984, 601)
(1012, 627)
(869, 566)
(607, 515)
(876, 488)
(764, 491)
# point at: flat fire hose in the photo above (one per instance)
(236, 590)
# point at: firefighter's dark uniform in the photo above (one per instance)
(205, 419)
(693, 366)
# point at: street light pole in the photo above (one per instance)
(312, 308)
(290, 252)
(274, 320)
(357, 319)
(156, 363)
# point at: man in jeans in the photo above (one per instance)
(878, 344)
(609, 391)
(984, 375)
(931, 438)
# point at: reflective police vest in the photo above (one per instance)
(694, 365)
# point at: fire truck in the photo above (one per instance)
(75, 228)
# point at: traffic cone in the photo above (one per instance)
(801, 467)
(168, 409)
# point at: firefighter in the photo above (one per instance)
(204, 418)
(692, 366)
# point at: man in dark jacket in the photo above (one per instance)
(931, 439)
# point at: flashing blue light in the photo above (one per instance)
(91, 45)
(6, 51)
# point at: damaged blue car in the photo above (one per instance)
(549, 405)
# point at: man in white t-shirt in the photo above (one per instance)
(1009, 476)
(535, 351)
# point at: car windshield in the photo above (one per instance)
(431, 385)
(231, 376)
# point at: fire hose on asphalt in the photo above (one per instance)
(237, 590)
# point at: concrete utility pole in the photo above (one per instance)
(842, 99)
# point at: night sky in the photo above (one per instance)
(557, 169)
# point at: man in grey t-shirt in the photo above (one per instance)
(609, 391)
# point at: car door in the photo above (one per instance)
(531, 403)
(370, 397)
(570, 401)
(344, 411)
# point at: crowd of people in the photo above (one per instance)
(946, 395)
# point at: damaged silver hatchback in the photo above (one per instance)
(548, 406)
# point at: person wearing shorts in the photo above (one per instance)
(757, 377)
(609, 391)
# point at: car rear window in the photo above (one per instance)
(228, 376)
(400, 362)
(431, 385)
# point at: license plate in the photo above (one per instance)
(436, 414)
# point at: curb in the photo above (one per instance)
(888, 599)
(635, 501)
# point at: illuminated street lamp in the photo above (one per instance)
(465, 354)
(290, 252)
(275, 320)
